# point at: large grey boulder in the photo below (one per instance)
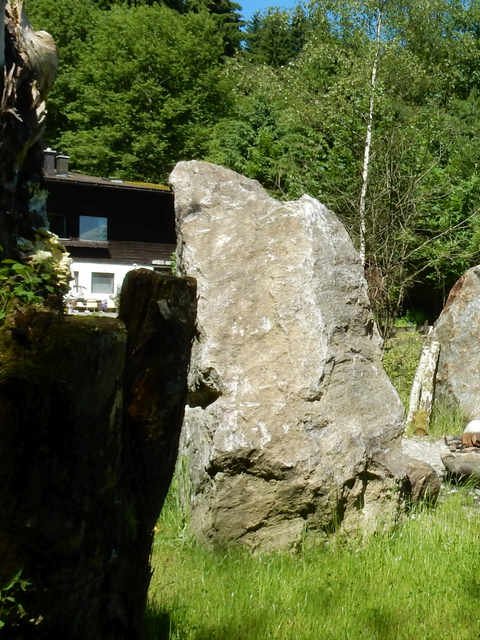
(458, 331)
(292, 426)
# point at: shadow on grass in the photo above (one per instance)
(472, 587)
(382, 624)
(160, 626)
(157, 623)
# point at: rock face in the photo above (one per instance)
(429, 452)
(458, 331)
(463, 465)
(291, 424)
(90, 416)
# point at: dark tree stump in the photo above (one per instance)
(83, 473)
(28, 62)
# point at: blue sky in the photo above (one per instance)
(250, 6)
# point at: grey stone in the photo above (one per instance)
(427, 451)
(463, 465)
(458, 331)
(293, 427)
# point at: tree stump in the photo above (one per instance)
(28, 62)
(90, 417)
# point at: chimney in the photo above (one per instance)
(62, 164)
(49, 161)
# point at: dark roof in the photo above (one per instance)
(112, 183)
(119, 251)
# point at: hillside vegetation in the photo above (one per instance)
(289, 100)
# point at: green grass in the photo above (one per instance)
(400, 359)
(420, 582)
(446, 420)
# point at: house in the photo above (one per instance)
(109, 227)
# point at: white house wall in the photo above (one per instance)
(85, 270)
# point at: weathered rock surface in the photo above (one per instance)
(292, 423)
(458, 331)
(90, 415)
(463, 465)
(427, 451)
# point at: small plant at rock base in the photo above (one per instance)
(12, 612)
(419, 424)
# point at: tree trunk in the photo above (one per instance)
(423, 388)
(2, 35)
(27, 72)
(368, 143)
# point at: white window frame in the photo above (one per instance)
(104, 275)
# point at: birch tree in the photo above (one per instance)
(368, 138)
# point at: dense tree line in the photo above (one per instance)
(287, 98)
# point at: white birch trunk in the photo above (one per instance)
(368, 143)
(423, 387)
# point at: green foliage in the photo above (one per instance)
(69, 22)
(142, 85)
(19, 285)
(228, 20)
(275, 37)
(12, 611)
(144, 90)
(25, 284)
(404, 321)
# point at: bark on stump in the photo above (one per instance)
(83, 475)
(28, 62)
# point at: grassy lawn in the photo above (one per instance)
(420, 582)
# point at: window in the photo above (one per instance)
(93, 228)
(58, 225)
(102, 282)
